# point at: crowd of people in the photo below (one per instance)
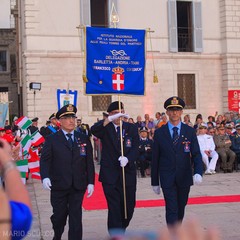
(147, 144)
(219, 140)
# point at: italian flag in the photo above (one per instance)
(22, 166)
(37, 138)
(23, 122)
(26, 144)
(36, 175)
(33, 161)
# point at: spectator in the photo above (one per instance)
(207, 148)
(145, 151)
(210, 124)
(34, 127)
(163, 122)
(198, 121)
(229, 128)
(211, 131)
(186, 120)
(130, 120)
(139, 122)
(219, 119)
(212, 120)
(148, 123)
(17, 208)
(223, 144)
(151, 134)
(14, 126)
(236, 143)
(7, 125)
(157, 120)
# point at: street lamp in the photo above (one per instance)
(34, 86)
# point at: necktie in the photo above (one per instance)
(118, 131)
(175, 135)
(70, 141)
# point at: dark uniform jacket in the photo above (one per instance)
(111, 170)
(67, 168)
(174, 164)
(145, 149)
(236, 143)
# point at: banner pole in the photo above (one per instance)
(123, 169)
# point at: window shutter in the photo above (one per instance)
(110, 2)
(172, 26)
(197, 27)
(85, 12)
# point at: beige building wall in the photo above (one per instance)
(230, 30)
(51, 49)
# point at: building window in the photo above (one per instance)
(184, 26)
(4, 94)
(99, 18)
(3, 61)
(13, 67)
(101, 103)
(187, 90)
(99, 13)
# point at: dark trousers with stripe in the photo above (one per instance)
(115, 200)
(176, 199)
(67, 203)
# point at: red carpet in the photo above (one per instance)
(98, 202)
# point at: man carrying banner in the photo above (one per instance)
(67, 169)
(112, 162)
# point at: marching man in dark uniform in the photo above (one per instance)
(145, 151)
(67, 169)
(175, 152)
(51, 128)
(34, 127)
(112, 162)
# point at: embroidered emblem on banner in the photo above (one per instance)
(118, 79)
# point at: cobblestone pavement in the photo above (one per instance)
(223, 215)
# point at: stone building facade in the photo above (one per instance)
(8, 71)
(194, 50)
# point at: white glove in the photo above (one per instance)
(123, 161)
(90, 190)
(47, 184)
(197, 179)
(117, 115)
(156, 189)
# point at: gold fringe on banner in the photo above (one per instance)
(83, 50)
(155, 77)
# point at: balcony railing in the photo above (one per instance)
(185, 43)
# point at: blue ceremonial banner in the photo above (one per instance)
(65, 97)
(115, 61)
(3, 114)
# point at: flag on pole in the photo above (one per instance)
(22, 166)
(36, 175)
(23, 122)
(3, 116)
(26, 144)
(115, 60)
(65, 97)
(33, 161)
(37, 138)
